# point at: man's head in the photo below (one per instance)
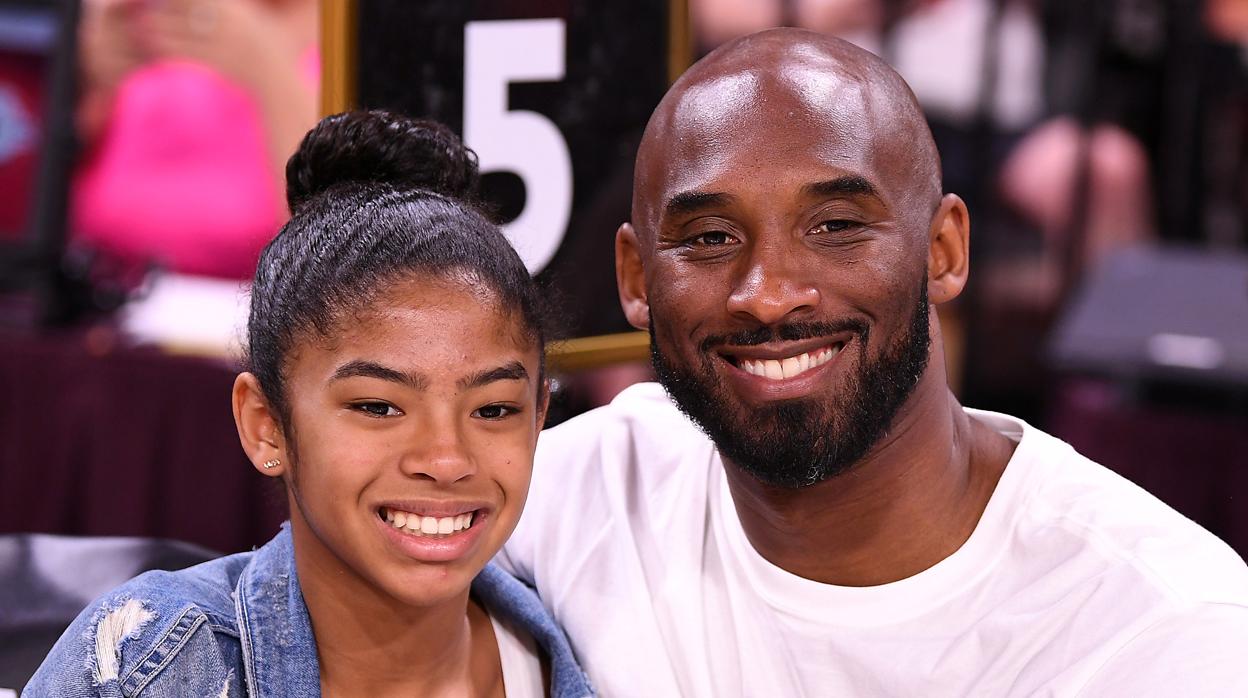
(788, 232)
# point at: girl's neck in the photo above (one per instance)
(369, 643)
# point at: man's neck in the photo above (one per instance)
(910, 503)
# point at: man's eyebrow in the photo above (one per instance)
(842, 187)
(688, 202)
(513, 371)
(372, 369)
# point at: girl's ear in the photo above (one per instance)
(259, 430)
(543, 403)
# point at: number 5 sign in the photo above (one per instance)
(552, 95)
(496, 54)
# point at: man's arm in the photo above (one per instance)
(1198, 652)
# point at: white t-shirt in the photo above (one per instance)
(1074, 583)
(517, 654)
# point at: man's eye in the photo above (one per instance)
(376, 409)
(715, 238)
(834, 226)
(494, 412)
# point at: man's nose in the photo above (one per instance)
(772, 287)
(440, 454)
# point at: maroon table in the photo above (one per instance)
(100, 439)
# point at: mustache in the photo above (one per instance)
(788, 332)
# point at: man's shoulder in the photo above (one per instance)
(1113, 518)
(1194, 650)
(639, 406)
(606, 476)
(641, 421)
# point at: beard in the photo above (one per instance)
(799, 443)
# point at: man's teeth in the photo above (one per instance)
(426, 525)
(778, 369)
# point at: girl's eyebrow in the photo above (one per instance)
(372, 369)
(511, 371)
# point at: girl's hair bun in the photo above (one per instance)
(383, 148)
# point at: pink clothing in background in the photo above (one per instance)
(181, 175)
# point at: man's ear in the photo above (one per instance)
(630, 277)
(258, 428)
(948, 252)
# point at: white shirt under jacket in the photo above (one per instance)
(1074, 583)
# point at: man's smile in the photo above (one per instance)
(784, 360)
(782, 370)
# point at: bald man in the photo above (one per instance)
(803, 508)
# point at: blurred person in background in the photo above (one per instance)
(188, 111)
(1226, 210)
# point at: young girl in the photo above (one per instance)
(396, 389)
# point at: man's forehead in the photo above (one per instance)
(784, 93)
(746, 120)
(804, 70)
(724, 100)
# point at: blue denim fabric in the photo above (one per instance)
(238, 626)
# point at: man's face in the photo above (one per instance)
(785, 271)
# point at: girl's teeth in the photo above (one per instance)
(426, 525)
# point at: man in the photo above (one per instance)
(847, 528)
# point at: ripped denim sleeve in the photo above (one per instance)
(123, 646)
(87, 659)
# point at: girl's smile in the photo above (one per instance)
(434, 532)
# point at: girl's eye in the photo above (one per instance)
(494, 412)
(376, 409)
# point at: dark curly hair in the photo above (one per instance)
(374, 196)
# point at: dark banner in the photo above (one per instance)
(553, 97)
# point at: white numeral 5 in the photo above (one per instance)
(497, 53)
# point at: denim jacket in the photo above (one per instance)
(238, 626)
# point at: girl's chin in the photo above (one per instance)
(431, 588)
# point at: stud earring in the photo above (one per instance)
(270, 464)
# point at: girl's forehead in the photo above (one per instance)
(423, 321)
(422, 299)
(433, 315)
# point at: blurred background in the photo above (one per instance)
(1102, 147)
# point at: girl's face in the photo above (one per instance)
(413, 436)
